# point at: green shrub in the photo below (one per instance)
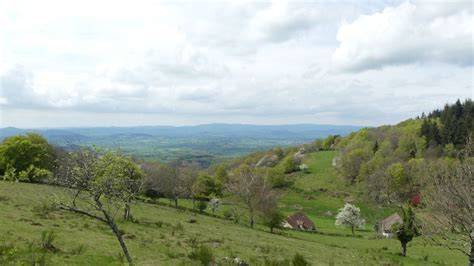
(202, 205)
(227, 214)
(299, 260)
(203, 254)
(47, 239)
(290, 165)
(278, 179)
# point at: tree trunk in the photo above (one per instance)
(126, 213)
(404, 249)
(251, 221)
(352, 227)
(194, 203)
(471, 257)
(176, 202)
(118, 234)
(109, 220)
(271, 230)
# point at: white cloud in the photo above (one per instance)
(229, 61)
(408, 33)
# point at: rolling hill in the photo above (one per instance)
(202, 144)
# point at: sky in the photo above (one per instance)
(131, 63)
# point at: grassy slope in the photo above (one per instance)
(21, 223)
(321, 192)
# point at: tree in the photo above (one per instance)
(396, 178)
(170, 181)
(27, 157)
(450, 198)
(98, 184)
(349, 216)
(273, 219)
(221, 174)
(330, 142)
(353, 160)
(251, 188)
(123, 168)
(406, 230)
(206, 187)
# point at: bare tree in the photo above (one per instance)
(250, 187)
(451, 199)
(172, 182)
(98, 185)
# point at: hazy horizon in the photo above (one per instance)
(190, 125)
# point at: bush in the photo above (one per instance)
(273, 219)
(203, 254)
(299, 260)
(27, 158)
(47, 239)
(278, 179)
(290, 165)
(202, 205)
(227, 214)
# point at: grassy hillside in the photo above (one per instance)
(320, 192)
(163, 235)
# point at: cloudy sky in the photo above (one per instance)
(103, 63)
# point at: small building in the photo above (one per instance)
(299, 221)
(385, 225)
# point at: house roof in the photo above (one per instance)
(391, 220)
(300, 221)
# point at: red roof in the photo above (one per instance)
(415, 200)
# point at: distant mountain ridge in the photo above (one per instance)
(186, 143)
(306, 131)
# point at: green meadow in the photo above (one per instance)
(163, 235)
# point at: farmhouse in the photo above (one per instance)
(299, 221)
(385, 225)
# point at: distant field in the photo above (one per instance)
(202, 144)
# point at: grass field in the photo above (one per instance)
(164, 237)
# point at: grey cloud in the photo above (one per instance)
(15, 86)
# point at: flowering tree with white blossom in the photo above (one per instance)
(350, 216)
